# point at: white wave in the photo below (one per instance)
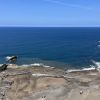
(73, 70)
(24, 65)
(98, 46)
(79, 70)
(96, 64)
(36, 65)
(8, 58)
(90, 68)
(30, 65)
(1, 64)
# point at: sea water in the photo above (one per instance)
(63, 47)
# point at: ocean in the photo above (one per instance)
(61, 47)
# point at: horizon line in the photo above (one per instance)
(54, 26)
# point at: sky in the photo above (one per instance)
(50, 13)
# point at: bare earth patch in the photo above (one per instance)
(37, 83)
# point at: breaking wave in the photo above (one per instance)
(36, 65)
(95, 65)
(30, 65)
(47, 64)
(83, 69)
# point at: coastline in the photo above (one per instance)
(45, 83)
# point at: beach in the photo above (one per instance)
(38, 83)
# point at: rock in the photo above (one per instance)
(3, 67)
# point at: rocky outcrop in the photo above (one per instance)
(3, 67)
(38, 83)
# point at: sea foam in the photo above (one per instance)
(36, 65)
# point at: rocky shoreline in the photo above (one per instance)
(38, 83)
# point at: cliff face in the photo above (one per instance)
(37, 83)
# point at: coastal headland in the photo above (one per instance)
(38, 83)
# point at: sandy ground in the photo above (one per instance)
(37, 83)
